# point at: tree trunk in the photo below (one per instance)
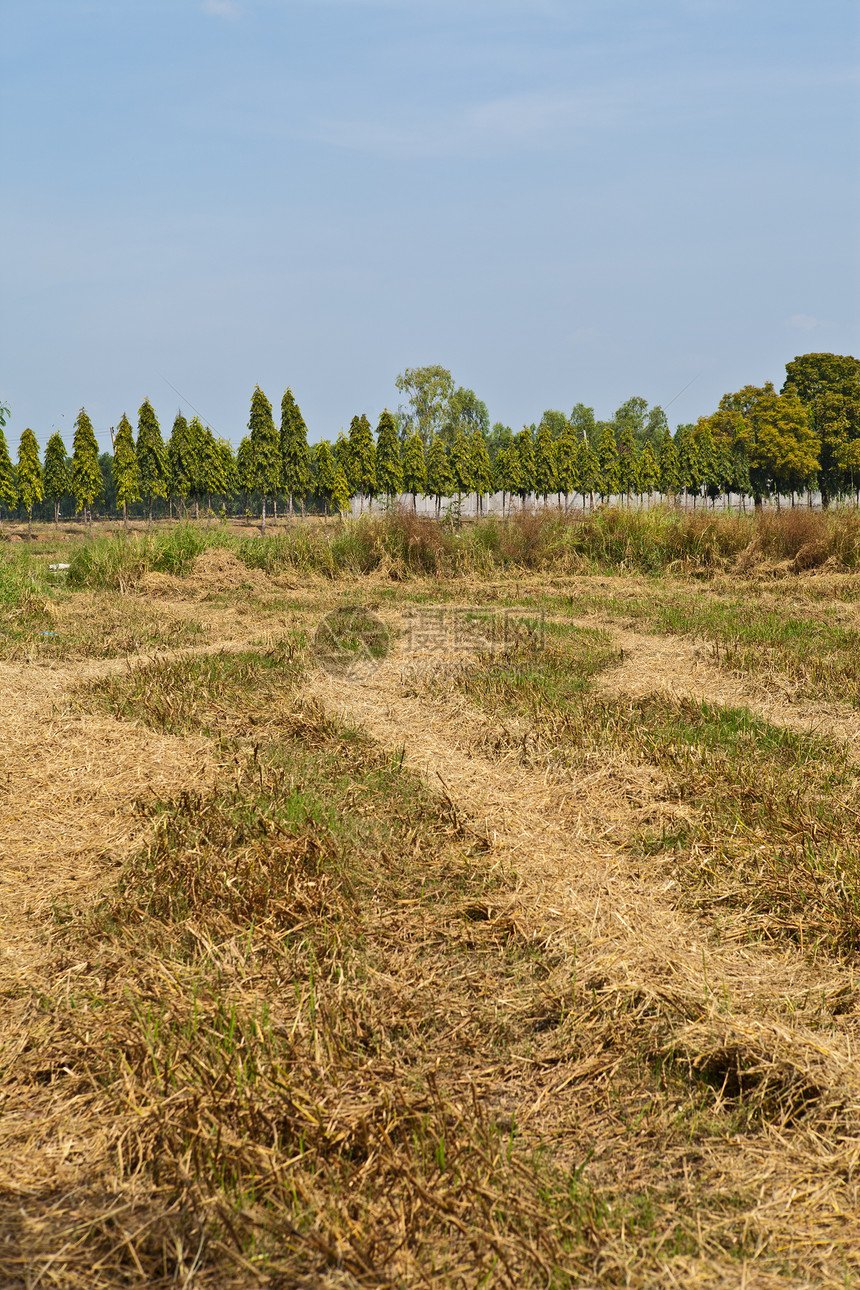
(125, 515)
(30, 522)
(263, 524)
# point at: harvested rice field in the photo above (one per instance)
(384, 906)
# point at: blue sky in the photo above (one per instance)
(561, 201)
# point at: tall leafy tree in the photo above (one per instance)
(828, 386)
(343, 459)
(584, 424)
(87, 481)
(439, 480)
(213, 469)
(8, 482)
(414, 466)
(649, 471)
(265, 444)
(506, 472)
(151, 455)
(461, 466)
(566, 462)
(182, 464)
(341, 494)
(295, 454)
(197, 444)
(670, 478)
(428, 391)
(326, 469)
(607, 455)
(56, 475)
(525, 463)
(587, 472)
(362, 455)
(628, 458)
(126, 472)
(30, 484)
(481, 470)
(545, 474)
(689, 469)
(389, 467)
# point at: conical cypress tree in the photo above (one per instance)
(628, 461)
(56, 475)
(151, 455)
(649, 471)
(30, 485)
(689, 470)
(295, 454)
(670, 480)
(197, 449)
(181, 464)
(326, 469)
(87, 482)
(362, 459)
(588, 472)
(340, 494)
(265, 442)
(506, 472)
(126, 472)
(414, 466)
(389, 467)
(607, 455)
(565, 462)
(461, 465)
(8, 482)
(526, 463)
(481, 470)
(439, 481)
(545, 464)
(213, 470)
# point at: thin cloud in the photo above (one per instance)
(804, 322)
(530, 121)
(221, 8)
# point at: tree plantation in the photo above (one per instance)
(758, 445)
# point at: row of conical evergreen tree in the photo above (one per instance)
(757, 443)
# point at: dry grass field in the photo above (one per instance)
(386, 906)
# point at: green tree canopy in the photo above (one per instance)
(428, 391)
(567, 476)
(828, 386)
